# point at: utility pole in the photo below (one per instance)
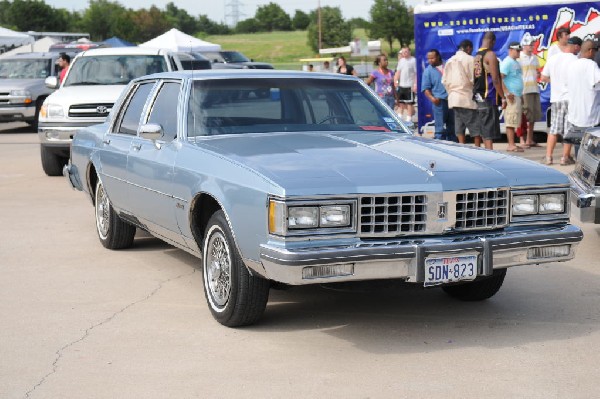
(319, 22)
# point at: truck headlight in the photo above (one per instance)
(24, 94)
(524, 205)
(52, 111)
(552, 203)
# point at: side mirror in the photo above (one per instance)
(151, 131)
(52, 82)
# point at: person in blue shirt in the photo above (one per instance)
(434, 90)
(512, 82)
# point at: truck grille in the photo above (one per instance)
(485, 209)
(90, 110)
(392, 215)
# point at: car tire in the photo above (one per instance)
(51, 163)
(477, 290)
(234, 296)
(113, 232)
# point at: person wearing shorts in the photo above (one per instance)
(405, 80)
(556, 71)
(512, 81)
(532, 107)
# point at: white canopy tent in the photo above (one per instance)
(176, 40)
(39, 46)
(10, 38)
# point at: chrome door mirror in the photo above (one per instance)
(151, 131)
(52, 82)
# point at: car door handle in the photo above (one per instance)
(136, 147)
(106, 141)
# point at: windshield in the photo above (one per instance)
(113, 69)
(25, 69)
(238, 106)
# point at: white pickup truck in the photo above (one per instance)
(92, 84)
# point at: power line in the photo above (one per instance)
(235, 13)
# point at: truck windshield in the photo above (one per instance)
(25, 69)
(113, 69)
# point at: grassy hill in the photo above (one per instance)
(282, 49)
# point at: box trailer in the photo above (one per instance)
(443, 25)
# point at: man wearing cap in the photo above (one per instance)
(532, 107)
(557, 71)
(405, 80)
(458, 81)
(512, 83)
(583, 93)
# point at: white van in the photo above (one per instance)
(92, 84)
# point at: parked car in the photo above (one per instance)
(317, 183)
(194, 60)
(233, 60)
(22, 88)
(585, 178)
(93, 82)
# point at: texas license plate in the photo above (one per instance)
(449, 270)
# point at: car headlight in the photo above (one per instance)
(284, 218)
(52, 111)
(524, 205)
(24, 94)
(541, 203)
(552, 203)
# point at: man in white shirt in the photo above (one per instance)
(458, 80)
(405, 80)
(562, 35)
(584, 93)
(556, 71)
(532, 108)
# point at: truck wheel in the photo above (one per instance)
(113, 232)
(477, 290)
(51, 163)
(235, 297)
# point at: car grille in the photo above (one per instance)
(481, 209)
(392, 215)
(99, 110)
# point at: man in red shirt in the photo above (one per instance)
(64, 60)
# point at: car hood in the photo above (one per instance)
(86, 94)
(20, 84)
(332, 163)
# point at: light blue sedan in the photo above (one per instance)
(304, 178)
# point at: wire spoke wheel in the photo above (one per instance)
(218, 271)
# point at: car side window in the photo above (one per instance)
(130, 120)
(164, 110)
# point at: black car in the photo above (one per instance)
(234, 59)
(194, 61)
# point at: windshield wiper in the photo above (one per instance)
(85, 83)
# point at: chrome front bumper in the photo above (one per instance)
(17, 113)
(405, 259)
(585, 201)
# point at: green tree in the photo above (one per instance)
(272, 17)
(152, 22)
(335, 31)
(359, 23)
(249, 25)
(208, 26)
(180, 19)
(36, 15)
(392, 19)
(300, 21)
(100, 17)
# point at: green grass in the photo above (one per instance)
(282, 49)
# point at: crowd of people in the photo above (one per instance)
(469, 92)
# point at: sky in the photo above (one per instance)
(216, 10)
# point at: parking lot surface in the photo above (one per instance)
(81, 321)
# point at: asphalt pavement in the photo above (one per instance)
(80, 321)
